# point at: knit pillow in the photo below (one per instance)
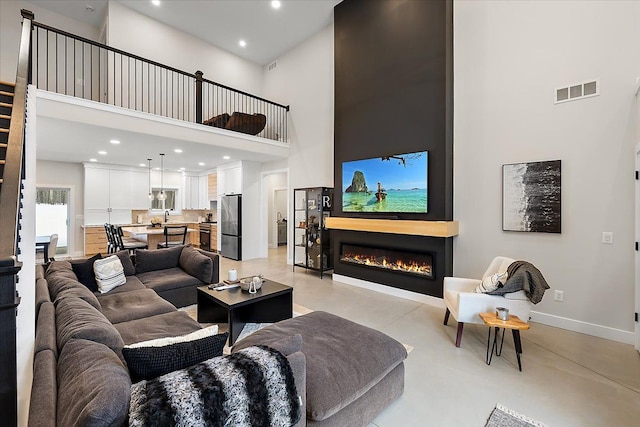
(145, 363)
(109, 273)
(491, 283)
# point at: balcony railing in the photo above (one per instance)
(72, 65)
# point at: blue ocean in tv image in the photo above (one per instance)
(394, 184)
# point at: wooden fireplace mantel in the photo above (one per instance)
(395, 226)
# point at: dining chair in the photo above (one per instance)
(123, 243)
(174, 235)
(112, 245)
(51, 249)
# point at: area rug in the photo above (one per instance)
(505, 417)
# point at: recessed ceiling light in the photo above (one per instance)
(276, 4)
(93, 160)
(201, 164)
(155, 2)
(102, 152)
(156, 169)
(177, 150)
(182, 169)
(242, 43)
(226, 157)
(142, 164)
(115, 141)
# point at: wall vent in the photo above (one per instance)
(272, 66)
(577, 91)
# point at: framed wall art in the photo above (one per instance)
(531, 197)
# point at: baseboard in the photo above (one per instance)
(599, 331)
(400, 293)
(592, 329)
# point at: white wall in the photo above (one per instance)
(304, 80)
(508, 58)
(276, 181)
(11, 24)
(136, 33)
(67, 175)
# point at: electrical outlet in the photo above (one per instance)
(558, 295)
(607, 237)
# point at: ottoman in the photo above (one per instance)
(353, 372)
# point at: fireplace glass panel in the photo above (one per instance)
(414, 263)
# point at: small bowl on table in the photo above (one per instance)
(246, 282)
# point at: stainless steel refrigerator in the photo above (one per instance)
(231, 227)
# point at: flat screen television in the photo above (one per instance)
(388, 184)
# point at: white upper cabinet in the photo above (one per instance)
(107, 196)
(140, 191)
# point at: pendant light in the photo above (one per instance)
(162, 196)
(150, 192)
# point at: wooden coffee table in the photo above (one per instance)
(272, 303)
(514, 323)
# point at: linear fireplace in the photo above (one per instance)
(408, 262)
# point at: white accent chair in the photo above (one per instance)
(466, 305)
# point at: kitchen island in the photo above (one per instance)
(154, 235)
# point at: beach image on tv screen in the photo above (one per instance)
(396, 183)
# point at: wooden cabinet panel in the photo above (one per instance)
(214, 238)
(213, 186)
(95, 241)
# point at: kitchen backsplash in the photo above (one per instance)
(187, 215)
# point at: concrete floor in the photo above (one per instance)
(568, 379)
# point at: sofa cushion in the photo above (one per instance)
(42, 294)
(83, 269)
(170, 278)
(75, 318)
(341, 365)
(132, 284)
(219, 121)
(127, 264)
(44, 390)
(161, 342)
(77, 290)
(157, 259)
(46, 330)
(160, 326)
(94, 387)
(196, 264)
(126, 306)
(109, 273)
(145, 363)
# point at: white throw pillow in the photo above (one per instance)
(109, 273)
(491, 283)
(162, 342)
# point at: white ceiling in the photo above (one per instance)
(268, 32)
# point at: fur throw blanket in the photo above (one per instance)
(522, 275)
(252, 387)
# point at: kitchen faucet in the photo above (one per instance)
(166, 216)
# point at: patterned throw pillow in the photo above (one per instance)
(109, 273)
(491, 283)
(145, 363)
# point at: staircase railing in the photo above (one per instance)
(10, 203)
(73, 65)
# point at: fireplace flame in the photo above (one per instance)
(385, 262)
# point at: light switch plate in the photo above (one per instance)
(607, 237)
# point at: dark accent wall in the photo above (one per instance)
(394, 90)
(394, 94)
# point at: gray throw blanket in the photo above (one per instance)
(252, 387)
(522, 275)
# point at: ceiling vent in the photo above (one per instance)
(272, 66)
(577, 91)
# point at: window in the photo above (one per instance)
(165, 205)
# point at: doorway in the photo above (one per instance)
(637, 254)
(52, 215)
(275, 208)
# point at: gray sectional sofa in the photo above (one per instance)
(345, 373)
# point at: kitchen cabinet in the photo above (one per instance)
(203, 192)
(213, 186)
(140, 191)
(229, 180)
(192, 193)
(107, 196)
(95, 240)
